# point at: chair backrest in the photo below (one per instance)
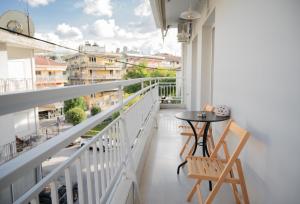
(232, 129)
(208, 108)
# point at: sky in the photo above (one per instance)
(110, 23)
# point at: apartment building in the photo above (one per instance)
(17, 73)
(49, 74)
(94, 65)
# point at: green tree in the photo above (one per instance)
(95, 110)
(75, 102)
(138, 71)
(75, 115)
(160, 72)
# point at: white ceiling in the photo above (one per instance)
(174, 8)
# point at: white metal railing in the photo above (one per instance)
(97, 77)
(7, 151)
(14, 84)
(97, 173)
(171, 91)
(47, 79)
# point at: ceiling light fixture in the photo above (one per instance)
(190, 14)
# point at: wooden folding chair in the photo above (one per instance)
(188, 132)
(219, 170)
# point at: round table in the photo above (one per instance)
(195, 116)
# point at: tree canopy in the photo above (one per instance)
(75, 115)
(76, 102)
(141, 71)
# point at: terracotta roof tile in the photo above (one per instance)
(41, 60)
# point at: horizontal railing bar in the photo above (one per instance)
(18, 101)
(15, 168)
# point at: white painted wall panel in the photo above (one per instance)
(25, 122)
(256, 73)
(257, 59)
(7, 134)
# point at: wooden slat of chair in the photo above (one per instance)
(199, 194)
(200, 130)
(219, 170)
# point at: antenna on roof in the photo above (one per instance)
(27, 12)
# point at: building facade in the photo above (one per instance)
(17, 73)
(49, 74)
(93, 67)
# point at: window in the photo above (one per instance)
(111, 72)
(38, 72)
(92, 59)
(49, 73)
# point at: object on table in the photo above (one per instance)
(222, 110)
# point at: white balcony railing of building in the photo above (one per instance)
(51, 79)
(98, 173)
(7, 151)
(106, 76)
(171, 91)
(14, 84)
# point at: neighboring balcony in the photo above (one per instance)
(50, 79)
(98, 77)
(15, 84)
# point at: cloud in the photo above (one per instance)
(98, 7)
(107, 33)
(64, 30)
(105, 28)
(36, 3)
(143, 9)
(108, 29)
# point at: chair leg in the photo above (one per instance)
(212, 139)
(242, 180)
(200, 201)
(191, 150)
(235, 190)
(184, 146)
(210, 145)
(191, 194)
(214, 192)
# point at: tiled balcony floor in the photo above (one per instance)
(160, 183)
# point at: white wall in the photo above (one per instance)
(17, 63)
(257, 73)
(257, 59)
(7, 134)
(3, 61)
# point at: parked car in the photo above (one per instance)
(45, 195)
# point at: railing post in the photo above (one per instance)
(120, 96)
(130, 162)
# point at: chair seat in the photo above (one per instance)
(205, 167)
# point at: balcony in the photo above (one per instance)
(100, 175)
(50, 79)
(12, 85)
(98, 77)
